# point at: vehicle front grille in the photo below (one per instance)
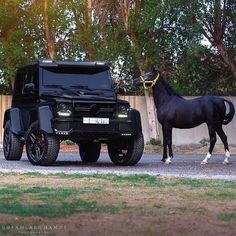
(94, 110)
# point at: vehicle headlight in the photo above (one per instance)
(64, 109)
(122, 111)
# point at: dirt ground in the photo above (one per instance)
(188, 149)
(194, 149)
(141, 209)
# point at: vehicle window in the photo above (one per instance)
(92, 78)
(29, 82)
(36, 78)
(28, 77)
(18, 85)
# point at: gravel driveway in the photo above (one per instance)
(184, 165)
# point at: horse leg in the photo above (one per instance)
(223, 138)
(212, 134)
(165, 142)
(169, 135)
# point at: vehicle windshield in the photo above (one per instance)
(77, 78)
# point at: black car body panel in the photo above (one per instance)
(72, 100)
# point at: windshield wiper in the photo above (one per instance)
(86, 90)
(63, 88)
(81, 87)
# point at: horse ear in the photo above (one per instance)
(153, 69)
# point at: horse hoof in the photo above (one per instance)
(163, 160)
(204, 162)
(225, 162)
(168, 160)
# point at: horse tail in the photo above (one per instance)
(228, 117)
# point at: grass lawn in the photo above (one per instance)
(34, 204)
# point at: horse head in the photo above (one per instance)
(148, 80)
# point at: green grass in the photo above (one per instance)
(219, 195)
(136, 180)
(227, 216)
(50, 202)
(143, 178)
(214, 184)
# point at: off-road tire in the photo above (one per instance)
(12, 145)
(89, 151)
(41, 148)
(129, 153)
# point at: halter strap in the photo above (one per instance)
(149, 84)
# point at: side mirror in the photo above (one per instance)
(122, 90)
(121, 86)
(29, 88)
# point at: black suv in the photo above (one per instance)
(55, 101)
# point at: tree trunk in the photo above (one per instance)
(228, 61)
(151, 108)
(154, 132)
(215, 30)
(89, 9)
(49, 34)
(152, 116)
(89, 24)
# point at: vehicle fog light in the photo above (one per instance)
(64, 109)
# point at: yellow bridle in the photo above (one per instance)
(149, 84)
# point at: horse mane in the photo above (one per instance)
(168, 88)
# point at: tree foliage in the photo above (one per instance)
(191, 42)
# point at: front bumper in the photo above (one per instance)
(70, 127)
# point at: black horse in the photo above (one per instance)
(173, 111)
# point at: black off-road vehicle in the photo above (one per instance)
(55, 101)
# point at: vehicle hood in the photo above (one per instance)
(71, 97)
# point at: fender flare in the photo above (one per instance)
(16, 120)
(6, 117)
(45, 116)
(135, 118)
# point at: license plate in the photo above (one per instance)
(96, 120)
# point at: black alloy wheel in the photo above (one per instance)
(41, 148)
(12, 145)
(89, 151)
(128, 153)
